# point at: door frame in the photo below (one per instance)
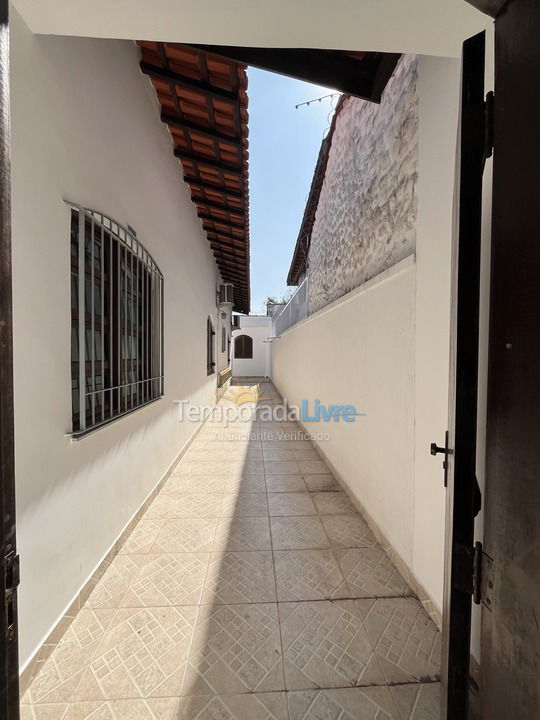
(9, 658)
(460, 456)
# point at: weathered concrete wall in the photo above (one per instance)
(366, 218)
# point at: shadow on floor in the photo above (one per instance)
(252, 590)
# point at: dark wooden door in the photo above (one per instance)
(462, 501)
(511, 619)
(9, 670)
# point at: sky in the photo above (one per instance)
(283, 148)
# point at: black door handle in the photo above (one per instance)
(435, 449)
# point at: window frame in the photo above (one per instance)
(117, 348)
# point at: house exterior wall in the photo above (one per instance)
(338, 356)
(366, 216)
(86, 127)
(259, 328)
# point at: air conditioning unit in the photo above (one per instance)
(226, 294)
(236, 322)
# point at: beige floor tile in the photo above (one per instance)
(254, 706)
(348, 531)
(281, 467)
(244, 504)
(333, 503)
(185, 535)
(404, 637)
(193, 484)
(375, 703)
(143, 654)
(56, 711)
(321, 483)
(312, 467)
(240, 577)
(147, 709)
(247, 533)
(245, 483)
(418, 702)
(142, 537)
(306, 454)
(113, 585)
(308, 575)
(290, 504)
(178, 506)
(285, 483)
(168, 580)
(297, 533)
(279, 456)
(326, 645)
(369, 572)
(236, 649)
(63, 670)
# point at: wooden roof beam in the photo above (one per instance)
(211, 218)
(225, 234)
(206, 89)
(218, 206)
(203, 186)
(202, 160)
(175, 121)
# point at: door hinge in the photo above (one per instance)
(489, 125)
(11, 573)
(474, 573)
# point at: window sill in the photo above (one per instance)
(80, 434)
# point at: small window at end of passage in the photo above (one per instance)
(243, 347)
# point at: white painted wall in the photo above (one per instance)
(259, 328)
(86, 126)
(438, 99)
(434, 27)
(359, 350)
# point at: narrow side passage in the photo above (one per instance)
(251, 590)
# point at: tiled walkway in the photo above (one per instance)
(250, 590)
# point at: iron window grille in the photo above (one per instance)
(210, 334)
(116, 321)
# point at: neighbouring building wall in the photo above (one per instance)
(86, 127)
(259, 329)
(385, 347)
(366, 216)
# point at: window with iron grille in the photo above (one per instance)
(116, 321)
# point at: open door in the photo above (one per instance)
(9, 665)
(460, 446)
(510, 649)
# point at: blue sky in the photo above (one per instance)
(283, 148)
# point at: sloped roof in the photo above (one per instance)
(204, 102)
